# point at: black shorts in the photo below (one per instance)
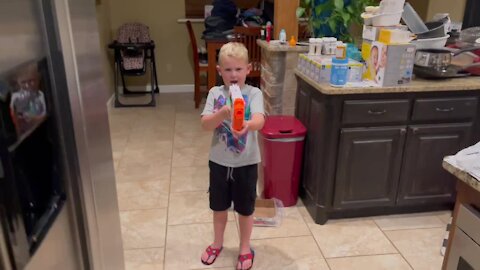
(233, 184)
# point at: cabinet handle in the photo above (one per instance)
(377, 112)
(444, 110)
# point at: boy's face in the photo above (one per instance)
(28, 80)
(233, 70)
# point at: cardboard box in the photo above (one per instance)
(267, 212)
(391, 65)
(321, 68)
(372, 33)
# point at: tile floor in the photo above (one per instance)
(160, 157)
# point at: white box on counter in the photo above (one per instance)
(372, 33)
(319, 68)
(391, 65)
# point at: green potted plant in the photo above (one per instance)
(333, 17)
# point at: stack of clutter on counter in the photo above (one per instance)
(317, 64)
(387, 48)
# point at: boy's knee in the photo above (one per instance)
(244, 213)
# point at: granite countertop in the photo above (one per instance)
(417, 85)
(276, 47)
(462, 175)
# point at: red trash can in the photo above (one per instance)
(282, 140)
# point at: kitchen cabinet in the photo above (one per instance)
(380, 152)
(368, 161)
(422, 180)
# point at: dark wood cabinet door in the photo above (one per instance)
(423, 180)
(368, 166)
(302, 105)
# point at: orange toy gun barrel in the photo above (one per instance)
(238, 107)
(238, 114)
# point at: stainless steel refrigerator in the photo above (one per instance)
(58, 203)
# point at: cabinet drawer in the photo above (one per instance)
(444, 109)
(375, 111)
(468, 219)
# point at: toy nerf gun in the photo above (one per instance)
(238, 105)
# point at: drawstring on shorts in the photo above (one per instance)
(230, 174)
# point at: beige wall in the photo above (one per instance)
(173, 51)
(454, 8)
(427, 8)
(104, 31)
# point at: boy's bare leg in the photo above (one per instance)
(219, 224)
(246, 227)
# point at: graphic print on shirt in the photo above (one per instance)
(223, 133)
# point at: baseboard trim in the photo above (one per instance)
(110, 101)
(163, 88)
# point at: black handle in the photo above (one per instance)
(377, 112)
(444, 110)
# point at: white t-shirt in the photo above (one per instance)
(226, 150)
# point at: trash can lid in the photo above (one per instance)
(283, 126)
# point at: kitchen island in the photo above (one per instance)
(377, 151)
(464, 238)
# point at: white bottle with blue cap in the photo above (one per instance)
(282, 36)
(339, 74)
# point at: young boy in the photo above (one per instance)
(234, 154)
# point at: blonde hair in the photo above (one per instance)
(233, 49)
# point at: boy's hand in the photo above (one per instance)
(226, 112)
(239, 133)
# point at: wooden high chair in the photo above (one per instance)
(248, 36)
(197, 67)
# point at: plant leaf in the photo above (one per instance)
(333, 25)
(338, 4)
(346, 18)
(320, 8)
(350, 9)
(300, 12)
(307, 2)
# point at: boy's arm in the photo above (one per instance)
(257, 122)
(212, 121)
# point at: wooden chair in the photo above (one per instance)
(248, 36)
(197, 67)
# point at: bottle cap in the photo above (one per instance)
(339, 61)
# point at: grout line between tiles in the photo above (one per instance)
(393, 244)
(282, 237)
(142, 248)
(411, 229)
(313, 236)
(143, 209)
(169, 189)
(366, 255)
(197, 223)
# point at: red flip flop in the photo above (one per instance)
(215, 252)
(242, 258)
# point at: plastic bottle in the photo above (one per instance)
(318, 46)
(292, 42)
(311, 46)
(282, 36)
(339, 74)
(268, 33)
